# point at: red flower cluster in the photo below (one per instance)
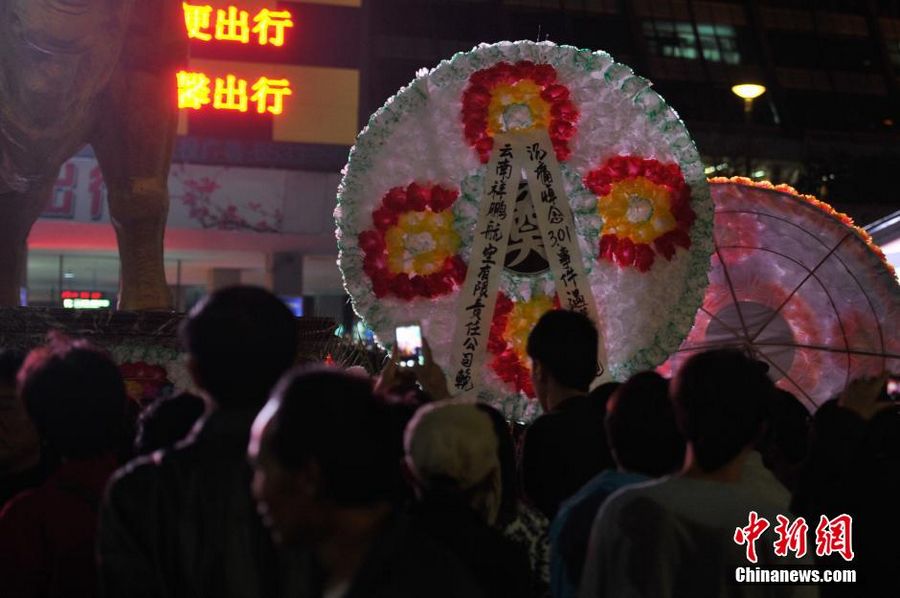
(478, 94)
(143, 382)
(506, 363)
(413, 198)
(624, 251)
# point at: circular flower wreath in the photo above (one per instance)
(409, 202)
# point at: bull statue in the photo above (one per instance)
(98, 72)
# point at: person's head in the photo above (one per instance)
(785, 442)
(166, 421)
(240, 340)
(721, 398)
(400, 405)
(76, 398)
(602, 393)
(563, 351)
(787, 427)
(451, 455)
(320, 448)
(506, 453)
(641, 429)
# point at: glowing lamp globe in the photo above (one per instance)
(748, 91)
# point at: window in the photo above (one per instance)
(678, 39)
(893, 46)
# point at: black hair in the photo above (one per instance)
(242, 339)
(787, 427)
(10, 362)
(166, 421)
(76, 397)
(399, 409)
(721, 398)
(565, 342)
(602, 393)
(641, 426)
(332, 418)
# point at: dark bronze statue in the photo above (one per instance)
(98, 72)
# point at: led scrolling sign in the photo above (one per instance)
(197, 90)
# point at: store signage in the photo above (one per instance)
(267, 27)
(226, 91)
(84, 300)
(196, 90)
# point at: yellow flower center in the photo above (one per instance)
(638, 209)
(420, 242)
(522, 319)
(517, 107)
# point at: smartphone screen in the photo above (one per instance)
(409, 346)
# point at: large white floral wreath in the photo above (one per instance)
(410, 197)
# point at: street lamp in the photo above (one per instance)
(748, 92)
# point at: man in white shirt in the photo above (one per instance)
(676, 537)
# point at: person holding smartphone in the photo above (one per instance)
(411, 366)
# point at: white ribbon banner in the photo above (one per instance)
(478, 298)
(554, 215)
(479, 294)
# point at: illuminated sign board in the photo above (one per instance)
(84, 300)
(195, 90)
(234, 25)
(283, 71)
(229, 92)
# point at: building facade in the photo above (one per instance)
(270, 110)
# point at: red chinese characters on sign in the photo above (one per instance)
(233, 25)
(81, 295)
(197, 21)
(66, 192)
(832, 536)
(193, 90)
(269, 94)
(199, 90)
(196, 90)
(265, 28)
(269, 26)
(230, 94)
(63, 202)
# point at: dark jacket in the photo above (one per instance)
(499, 565)
(562, 450)
(47, 534)
(853, 467)
(182, 522)
(405, 562)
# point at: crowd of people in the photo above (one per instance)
(281, 480)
